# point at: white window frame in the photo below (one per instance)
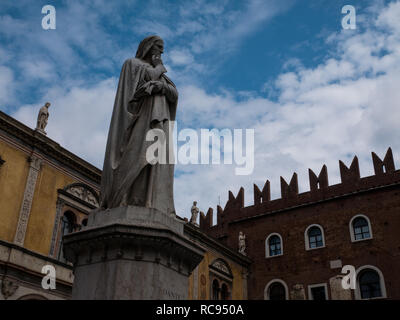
(267, 255)
(266, 289)
(352, 236)
(325, 285)
(307, 240)
(357, 292)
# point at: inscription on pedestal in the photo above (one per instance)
(171, 295)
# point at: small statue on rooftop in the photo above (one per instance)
(43, 116)
(195, 212)
(242, 243)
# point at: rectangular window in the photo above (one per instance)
(318, 292)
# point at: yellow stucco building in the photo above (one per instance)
(221, 275)
(46, 192)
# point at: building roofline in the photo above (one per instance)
(195, 232)
(309, 204)
(35, 254)
(42, 143)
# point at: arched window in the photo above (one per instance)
(221, 279)
(273, 245)
(67, 226)
(276, 290)
(314, 237)
(215, 290)
(67, 223)
(370, 283)
(360, 228)
(84, 222)
(87, 198)
(224, 292)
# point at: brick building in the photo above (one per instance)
(299, 243)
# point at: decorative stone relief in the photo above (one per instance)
(221, 266)
(34, 168)
(83, 194)
(203, 280)
(298, 292)
(335, 264)
(8, 288)
(337, 291)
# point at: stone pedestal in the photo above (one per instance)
(131, 253)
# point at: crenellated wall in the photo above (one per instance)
(332, 207)
(320, 190)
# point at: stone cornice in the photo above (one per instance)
(133, 242)
(34, 254)
(45, 145)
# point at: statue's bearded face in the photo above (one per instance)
(157, 48)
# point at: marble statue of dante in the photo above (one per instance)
(146, 98)
(43, 116)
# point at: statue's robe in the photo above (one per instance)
(128, 178)
(42, 118)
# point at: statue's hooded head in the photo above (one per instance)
(145, 45)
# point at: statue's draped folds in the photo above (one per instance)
(127, 178)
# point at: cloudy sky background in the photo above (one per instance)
(313, 92)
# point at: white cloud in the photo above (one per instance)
(347, 105)
(181, 57)
(198, 28)
(34, 69)
(223, 33)
(6, 85)
(79, 118)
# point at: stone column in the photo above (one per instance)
(131, 253)
(34, 168)
(196, 283)
(59, 206)
(245, 276)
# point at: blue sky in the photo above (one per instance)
(313, 92)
